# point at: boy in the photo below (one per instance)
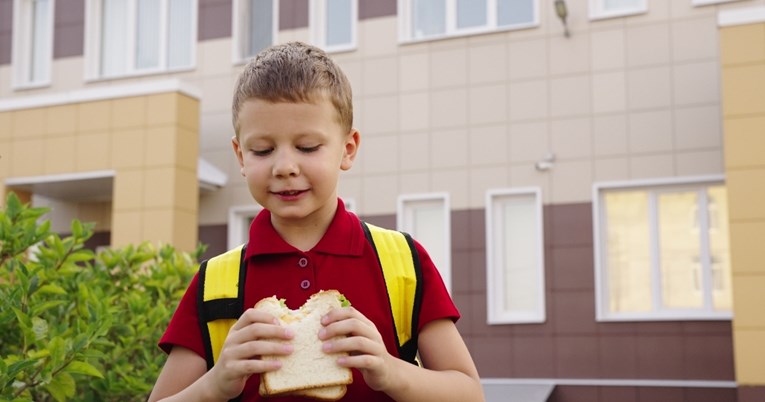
(292, 115)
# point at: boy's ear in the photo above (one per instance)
(352, 141)
(238, 153)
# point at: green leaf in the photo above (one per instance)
(61, 387)
(84, 368)
(51, 289)
(40, 328)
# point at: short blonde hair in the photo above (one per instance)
(294, 72)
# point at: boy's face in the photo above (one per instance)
(291, 155)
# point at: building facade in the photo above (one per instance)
(589, 180)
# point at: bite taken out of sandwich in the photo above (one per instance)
(308, 370)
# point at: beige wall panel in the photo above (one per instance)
(93, 152)
(217, 91)
(414, 183)
(185, 228)
(129, 112)
(60, 154)
(487, 64)
(527, 59)
(607, 50)
(746, 194)
(649, 88)
(378, 36)
(186, 190)
(529, 142)
(488, 145)
(61, 120)
(5, 161)
(571, 182)
(99, 213)
(749, 356)
(5, 76)
(162, 109)
(213, 207)
(455, 182)
(610, 169)
(609, 92)
(414, 72)
(28, 157)
(648, 45)
(569, 55)
(745, 142)
(29, 123)
(379, 115)
(210, 53)
(484, 179)
(742, 44)
(380, 194)
(697, 127)
(159, 225)
(487, 104)
(650, 131)
(354, 71)
(746, 247)
(414, 111)
(160, 147)
(188, 149)
(6, 125)
(528, 100)
(127, 148)
(127, 228)
(128, 189)
(699, 163)
(413, 152)
(691, 38)
(571, 138)
(743, 87)
(696, 83)
(379, 155)
(159, 187)
(448, 68)
(609, 135)
(526, 175)
(67, 74)
(449, 148)
(652, 166)
(380, 76)
(448, 108)
(570, 96)
(94, 116)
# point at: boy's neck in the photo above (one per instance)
(304, 234)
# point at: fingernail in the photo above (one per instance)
(322, 333)
(327, 346)
(288, 348)
(288, 333)
(324, 320)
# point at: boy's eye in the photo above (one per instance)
(308, 149)
(262, 152)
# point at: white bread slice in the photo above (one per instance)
(308, 367)
(329, 394)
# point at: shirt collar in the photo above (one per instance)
(343, 237)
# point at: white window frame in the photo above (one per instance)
(318, 22)
(495, 291)
(598, 11)
(22, 47)
(93, 37)
(238, 223)
(601, 278)
(240, 29)
(699, 3)
(404, 224)
(407, 36)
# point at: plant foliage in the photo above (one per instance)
(79, 325)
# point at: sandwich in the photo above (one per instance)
(308, 370)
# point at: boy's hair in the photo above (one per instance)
(294, 72)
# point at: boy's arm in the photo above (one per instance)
(182, 369)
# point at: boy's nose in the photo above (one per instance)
(285, 165)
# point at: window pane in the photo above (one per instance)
(429, 18)
(114, 37)
(338, 22)
(147, 34)
(428, 228)
(514, 12)
(617, 5)
(261, 26)
(40, 63)
(180, 37)
(722, 297)
(471, 13)
(680, 261)
(520, 254)
(628, 256)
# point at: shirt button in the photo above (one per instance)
(303, 262)
(305, 284)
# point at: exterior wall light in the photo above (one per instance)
(561, 10)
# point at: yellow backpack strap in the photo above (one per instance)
(220, 299)
(400, 264)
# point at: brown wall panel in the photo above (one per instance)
(69, 23)
(216, 239)
(376, 8)
(293, 14)
(214, 19)
(6, 29)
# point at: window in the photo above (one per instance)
(132, 37)
(239, 220)
(333, 24)
(256, 25)
(616, 8)
(707, 2)
(426, 19)
(515, 256)
(427, 218)
(662, 250)
(32, 42)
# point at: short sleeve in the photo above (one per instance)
(436, 302)
(183, 329)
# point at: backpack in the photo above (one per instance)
(220, 298)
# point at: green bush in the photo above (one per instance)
(77, 323)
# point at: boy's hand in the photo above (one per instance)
(363, 343)
(240, 355)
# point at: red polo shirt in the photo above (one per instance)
(343, 260)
